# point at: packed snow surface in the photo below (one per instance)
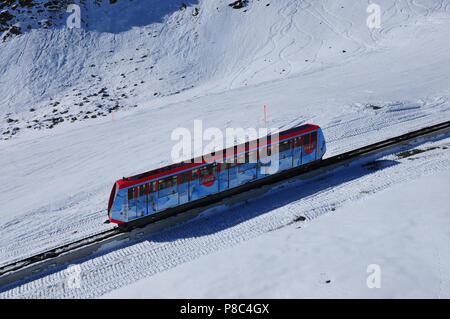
(389, 210)
(81, 108)
(404, 231)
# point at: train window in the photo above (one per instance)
(251, 157)
(130, 193)
(241, 158)
(194, 174)
(264, 152)
(313, 137)
(152, 187)
(241, 147)
(112, 197)
(221, 167)
(208, 170)
(167, 182)
(231, 160)
(184, 177)
(229, 152)
(141, 190)
(274, 148)
(285, 145)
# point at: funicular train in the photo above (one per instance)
(158, 193)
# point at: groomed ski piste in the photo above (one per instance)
(308, 62)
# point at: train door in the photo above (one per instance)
(247, 167)
(285, 151)
(232, 174)
(223, 176)
(265, 160)
(167, 192)
(132, 201)
(252, 160)
(193, 185)
(183, 187)
(297, 157)
(309, 143)
(141, 203)
(152, 198)
(240, 169)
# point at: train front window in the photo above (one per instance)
(112, 197)
(313, 137)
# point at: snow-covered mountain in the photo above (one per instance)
(133, 53)
(82, 107)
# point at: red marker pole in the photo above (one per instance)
(265, 118)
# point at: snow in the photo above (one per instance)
(269, 211)
(226, 65)
(405, 230)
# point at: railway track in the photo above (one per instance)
(58, 251)
(19, 270)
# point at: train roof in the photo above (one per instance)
(193, 162)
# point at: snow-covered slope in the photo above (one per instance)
(406, 234)
(133, 53)
(389, 210)
(307, 61)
